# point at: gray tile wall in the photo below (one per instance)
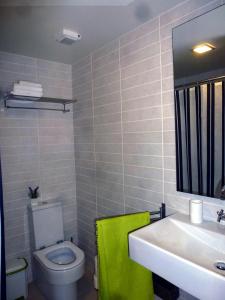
(85, 154)
(124, 124)
(37, 148)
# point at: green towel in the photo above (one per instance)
(120, 278)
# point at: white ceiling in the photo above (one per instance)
(31, 29)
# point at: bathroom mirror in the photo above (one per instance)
(199, 80)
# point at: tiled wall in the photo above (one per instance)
(85, 155)
(37, 148)
(124, 124)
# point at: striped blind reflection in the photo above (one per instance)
(200, 138)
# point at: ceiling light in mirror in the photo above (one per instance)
(203, 48)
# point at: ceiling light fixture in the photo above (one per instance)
(203, 48)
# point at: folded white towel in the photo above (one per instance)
(27, 93)
(21, 88)
(29, 83)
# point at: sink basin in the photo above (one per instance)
(184, 254)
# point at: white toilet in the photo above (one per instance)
(58, 264)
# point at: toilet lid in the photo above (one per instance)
(62, 256)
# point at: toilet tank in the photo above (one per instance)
(47, 224)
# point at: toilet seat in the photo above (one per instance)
(60, 257)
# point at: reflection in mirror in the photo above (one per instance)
(199, 79)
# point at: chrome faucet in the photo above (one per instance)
(221, 215)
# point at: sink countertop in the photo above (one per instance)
(183, 253)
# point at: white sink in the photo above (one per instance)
(184, 254)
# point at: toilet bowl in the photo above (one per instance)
(57, 269)
(58, 264)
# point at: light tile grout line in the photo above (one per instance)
(150, 44)
(162, 114)
(126, 121)
(38, 135)
(112, 201)
(127, 78)
(130, 99)
(100, 64)
(138, 27)
(75, 223)
(141, 199)
(93, 117)
(130, 65)
(130, 76)
(146, 83)
(121, 107)
(95, 52)
(127, 43)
